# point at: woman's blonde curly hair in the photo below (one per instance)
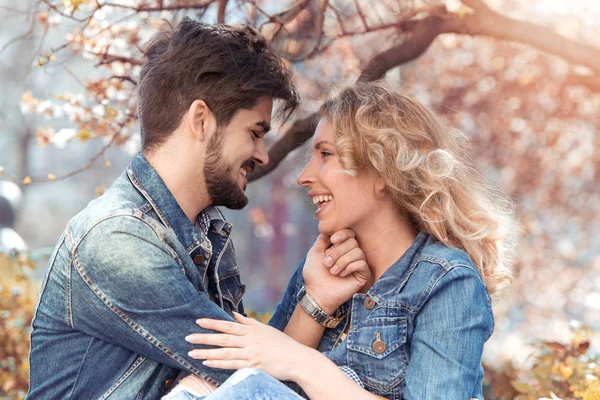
(427, 170)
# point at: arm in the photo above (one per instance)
(129, 288)
(244, 346)
(299, 325)
(320, 378)
(449, 334)
(333, 270)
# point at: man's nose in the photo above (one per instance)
(261, 155)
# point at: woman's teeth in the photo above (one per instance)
(243, 171)
(321, 199)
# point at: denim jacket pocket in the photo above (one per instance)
(376, 351)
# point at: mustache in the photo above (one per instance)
(250, 164)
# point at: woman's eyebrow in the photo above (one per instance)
(318, 144)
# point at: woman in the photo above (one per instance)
(436, 241)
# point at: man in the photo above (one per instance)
(133, 271)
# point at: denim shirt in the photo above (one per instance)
(432, 315)
(123, 288)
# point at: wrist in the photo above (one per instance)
(328, 308)
(302, 366)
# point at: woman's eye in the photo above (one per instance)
(325, 154)
(256, 135)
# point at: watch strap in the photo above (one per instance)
(313, 309)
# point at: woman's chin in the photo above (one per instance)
(326, 229)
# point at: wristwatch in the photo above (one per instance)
(316, 312)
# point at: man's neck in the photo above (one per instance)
(182, 177)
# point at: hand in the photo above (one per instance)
(334, 274)
(248, 343)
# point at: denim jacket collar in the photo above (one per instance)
(388, 282)
(145, 178)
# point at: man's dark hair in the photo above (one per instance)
(228, 66)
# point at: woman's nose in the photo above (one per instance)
(306, 177)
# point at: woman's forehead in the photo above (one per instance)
(323, 132)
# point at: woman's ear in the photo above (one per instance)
(379, 187)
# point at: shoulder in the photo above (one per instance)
(451, 277)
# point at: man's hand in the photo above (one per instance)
(335, 269)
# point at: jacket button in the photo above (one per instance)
(168, 384)
(369, 303)
(379, 346)
(198, 259)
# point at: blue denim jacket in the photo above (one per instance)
(432, 312)
(123, 288)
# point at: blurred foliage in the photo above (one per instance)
(556, 371)
(17, 302)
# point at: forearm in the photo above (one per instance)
(304, 329)
(320, 378)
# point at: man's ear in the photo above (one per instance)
(200, 120)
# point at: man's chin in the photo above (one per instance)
(239, 202)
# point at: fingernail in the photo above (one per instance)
(335, 269)
(191, 354)
(328, 260)
(334, 239)
(198, 321)
(188, 338)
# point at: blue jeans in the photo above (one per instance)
(245, 384)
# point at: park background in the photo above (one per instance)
(520, 79)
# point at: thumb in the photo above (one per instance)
(322, 243)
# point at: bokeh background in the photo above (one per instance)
(521, 79)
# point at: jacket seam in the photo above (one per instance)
(138, 185)
(137, 328)
(42, 292)
(137, 216)
(139, 361)
(81, 367)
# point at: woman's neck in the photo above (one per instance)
(384, 238)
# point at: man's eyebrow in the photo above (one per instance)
(264, 125)
(318, 144)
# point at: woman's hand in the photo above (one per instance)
(247, 343)
(335, 269)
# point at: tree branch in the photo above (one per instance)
(221, 11)
(300, 131)
(590, 81)
(483, 21)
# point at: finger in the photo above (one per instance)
(348, 258)
(340, 249)
(322, 243)
(227, 364)
(214, 339)
(232, 328)
(227, 353)
(359, 268)
(342, 235)
(243, 320)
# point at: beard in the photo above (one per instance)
(222, 188)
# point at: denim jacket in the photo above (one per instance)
(431, 314)
(123, 288)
